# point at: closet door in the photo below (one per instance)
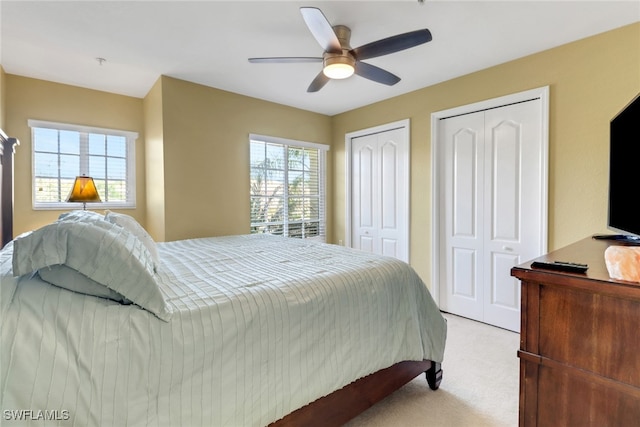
(365, 193)
(463, 229)
(492, 209)
(513, 206)
(379, 167)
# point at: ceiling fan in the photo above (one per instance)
(340, 60)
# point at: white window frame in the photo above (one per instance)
(131, 138)
(322, 173)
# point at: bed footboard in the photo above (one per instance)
(353, 399)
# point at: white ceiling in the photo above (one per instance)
(208, 42)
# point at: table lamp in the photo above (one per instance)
(84, 191)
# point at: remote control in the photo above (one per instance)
(571, 267)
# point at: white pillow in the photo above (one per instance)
(129, 223)
(102, 251)
(66, 277)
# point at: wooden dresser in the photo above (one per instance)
(579, 343)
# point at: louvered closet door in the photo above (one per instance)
(492, 212)
(379, 187)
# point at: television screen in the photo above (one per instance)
(624, 173)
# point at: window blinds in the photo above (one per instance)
(287, 187)
(62, 152)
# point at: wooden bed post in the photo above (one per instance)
(434, 375)
(7, 150)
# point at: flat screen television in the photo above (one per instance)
(624, 174)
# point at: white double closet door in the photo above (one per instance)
(491, 208)
(379, 176)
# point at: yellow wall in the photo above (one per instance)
(41, 100)
(2, 98)
(192, 153)
(154, 162)
(206, 154)
(590, 81)
(3, 103)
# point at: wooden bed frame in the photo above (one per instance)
(353, 399)
(333, 410)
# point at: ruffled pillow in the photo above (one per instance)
(79, 215)
(104, 252)
(129, 223)
(66, 277)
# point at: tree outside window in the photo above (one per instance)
(287, 189)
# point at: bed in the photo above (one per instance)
(248, 330)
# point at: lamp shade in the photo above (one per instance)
(84, 191)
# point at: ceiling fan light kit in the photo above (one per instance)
(338, 66)
(339, 60)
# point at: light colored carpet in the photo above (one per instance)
(479, 386)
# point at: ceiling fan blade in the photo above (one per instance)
(318, 83)
(392, 44)
(321, 29)
(284, 60)
(376, 74)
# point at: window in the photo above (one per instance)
(287, 187)
(61, 152)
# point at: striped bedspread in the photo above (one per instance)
(262, 325)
